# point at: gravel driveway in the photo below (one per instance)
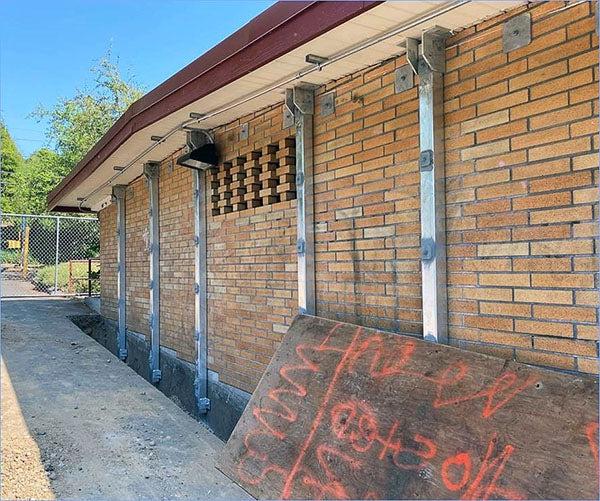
(78, 423)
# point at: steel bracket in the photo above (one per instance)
(151, 169)
(328, 104)
(156, 375)
(196, 288)
(404, 79)
(426, 161)
(412, 53)
(301, 246)
(304, 100)
(427, 250)
(123, 354)
(244, 131)
(288, 108)
(434, 48)
(118, 192)
(516, 32)
(203, 405)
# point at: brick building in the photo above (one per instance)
(457, 200)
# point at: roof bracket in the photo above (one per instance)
(288, 108)
(412, 53)
(434, 48)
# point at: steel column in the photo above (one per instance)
(118, 196)
(151, 170)
(303, 104)
(431, 67)
(200, 293)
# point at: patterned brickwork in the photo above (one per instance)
(252, 277)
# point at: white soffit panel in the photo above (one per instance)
(357, 31)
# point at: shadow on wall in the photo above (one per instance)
(177, 382)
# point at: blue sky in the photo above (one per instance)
(48, 47)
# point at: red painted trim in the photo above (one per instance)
(277, 31)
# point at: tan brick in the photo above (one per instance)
(565, 313)
(504, 279)
(562, 247)
(512, 249)
(573, 280)
(561, 148)
(540, 137)
(485, 150)
(591, 332)
(554, 183)
(560, 215)
(485, 121)
(541, 201)
(547, 104)
(545, 359)
(590, 365)
(544, 328)
(543, 296)
(505, 309)
(561, 84)
(542, 264)
(570, 346)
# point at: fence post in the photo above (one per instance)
(56, 256)
(22, 239)
(26, 253)
(89, 277)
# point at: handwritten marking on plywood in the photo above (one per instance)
(344, 412)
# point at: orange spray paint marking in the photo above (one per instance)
(288, 486)
(462, 460)
(479, 488)
(591, 432)
(506, 381)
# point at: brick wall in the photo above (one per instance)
(175, 192)
(366, 203)
(108, 261)
(252, 277)
(522, 200)
(522, 190)
(137, 258)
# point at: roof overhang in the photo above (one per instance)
(249, 71)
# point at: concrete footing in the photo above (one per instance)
(177, 382)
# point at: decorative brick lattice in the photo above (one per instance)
(256, 179)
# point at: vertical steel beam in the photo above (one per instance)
(118, 196)
(303, 101)
(151, 170)
(200, 292)
(431, 67)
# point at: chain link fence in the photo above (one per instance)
(49, 255)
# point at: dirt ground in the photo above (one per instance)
(78, 423)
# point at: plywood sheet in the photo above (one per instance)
(344, 412)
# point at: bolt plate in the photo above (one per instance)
(404, 79)
(516, 32)
(327, 104)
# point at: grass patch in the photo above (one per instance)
(45, 277)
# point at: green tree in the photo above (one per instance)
(74, 125)
(77, 123)
(12, 162)
(32, 182)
